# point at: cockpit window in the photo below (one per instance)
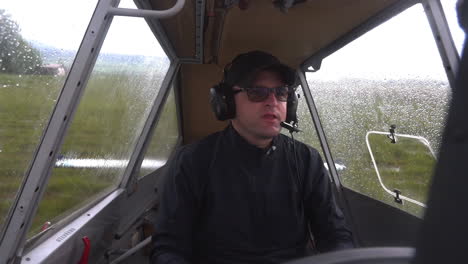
(390, 78)
(34, 63)
(305, 123)
(119, 95)
(457, 32)
(164, 138)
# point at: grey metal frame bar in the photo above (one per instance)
(326, 149)
(444, 41)
(320, 131)
(176, 85)
(315, 60)
(161, 35)
(199, 36)
(131, 173)
(131, 251)
(158, 30)
(39, 172)
(443, 38)
(115, 11)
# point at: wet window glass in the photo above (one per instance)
(118, 97)
(164, 138)
(402, 164)
(305, 123)
(391, 81)
(34, 63)
(458, 35)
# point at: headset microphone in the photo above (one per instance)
(290, 127)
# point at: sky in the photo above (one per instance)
(64, 25)
(401, 47)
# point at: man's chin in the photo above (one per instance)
(270, 133)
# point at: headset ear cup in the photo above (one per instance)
(218, 104)
(291, 109)
(230, 105)
(221, 104)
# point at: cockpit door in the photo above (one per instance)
(398, 74)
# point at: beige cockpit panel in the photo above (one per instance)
(293, 36)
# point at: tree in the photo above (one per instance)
(16, 54)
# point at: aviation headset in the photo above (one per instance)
(240, 71)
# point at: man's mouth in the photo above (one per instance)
(269, 116)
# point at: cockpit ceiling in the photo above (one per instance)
(293, 35)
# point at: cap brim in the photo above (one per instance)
(288, 75)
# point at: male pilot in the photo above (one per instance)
(248, 194)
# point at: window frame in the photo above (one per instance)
(130, 177)
(447, 51)
(445, 44)
(437, 20)
(19, 219)
(148, 184)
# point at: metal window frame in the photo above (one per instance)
(199, 25)
(178, 101)
(158, 30)
(437, 21)
(38, 174)
(320, 131)
(34, 184)
(199, 36)
(447, 50)
(161, 35)
(131, 179)
(438, 24)
(315, 62)
(376, 167)
(130, 176)
(440, 29)
(333, 173)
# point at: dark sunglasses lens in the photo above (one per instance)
(282, 93)
(258, 94)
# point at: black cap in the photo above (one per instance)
(244, 68)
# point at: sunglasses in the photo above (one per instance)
(260, 94)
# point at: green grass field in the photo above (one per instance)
(403, 165)
(350, 108)
(105, 126)
(112, 112)
(25, 104)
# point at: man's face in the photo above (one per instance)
(260, 120)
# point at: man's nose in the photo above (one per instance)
(271, 99)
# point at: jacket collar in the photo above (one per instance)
(243, 147)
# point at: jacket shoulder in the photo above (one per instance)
(203, 145)
(198, 154)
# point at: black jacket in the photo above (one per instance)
(226, 201)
